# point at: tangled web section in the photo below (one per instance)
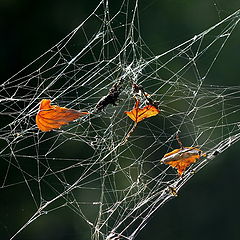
(107, 166)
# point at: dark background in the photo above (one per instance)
(208, 205)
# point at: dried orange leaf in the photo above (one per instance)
(182, 158)
(138, 114)
(50, 117)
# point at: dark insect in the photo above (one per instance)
(110, 98)
(216, 152)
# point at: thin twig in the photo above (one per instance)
(129, 133)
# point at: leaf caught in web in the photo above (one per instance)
(138, 114)
(182, 158)
(51, 117)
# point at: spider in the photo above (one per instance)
(111, 97)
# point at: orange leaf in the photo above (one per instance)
(182, 158)
(138, 114)
(50, 117)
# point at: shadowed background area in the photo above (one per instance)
(207, 206)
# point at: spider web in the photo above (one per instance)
(113, 182)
